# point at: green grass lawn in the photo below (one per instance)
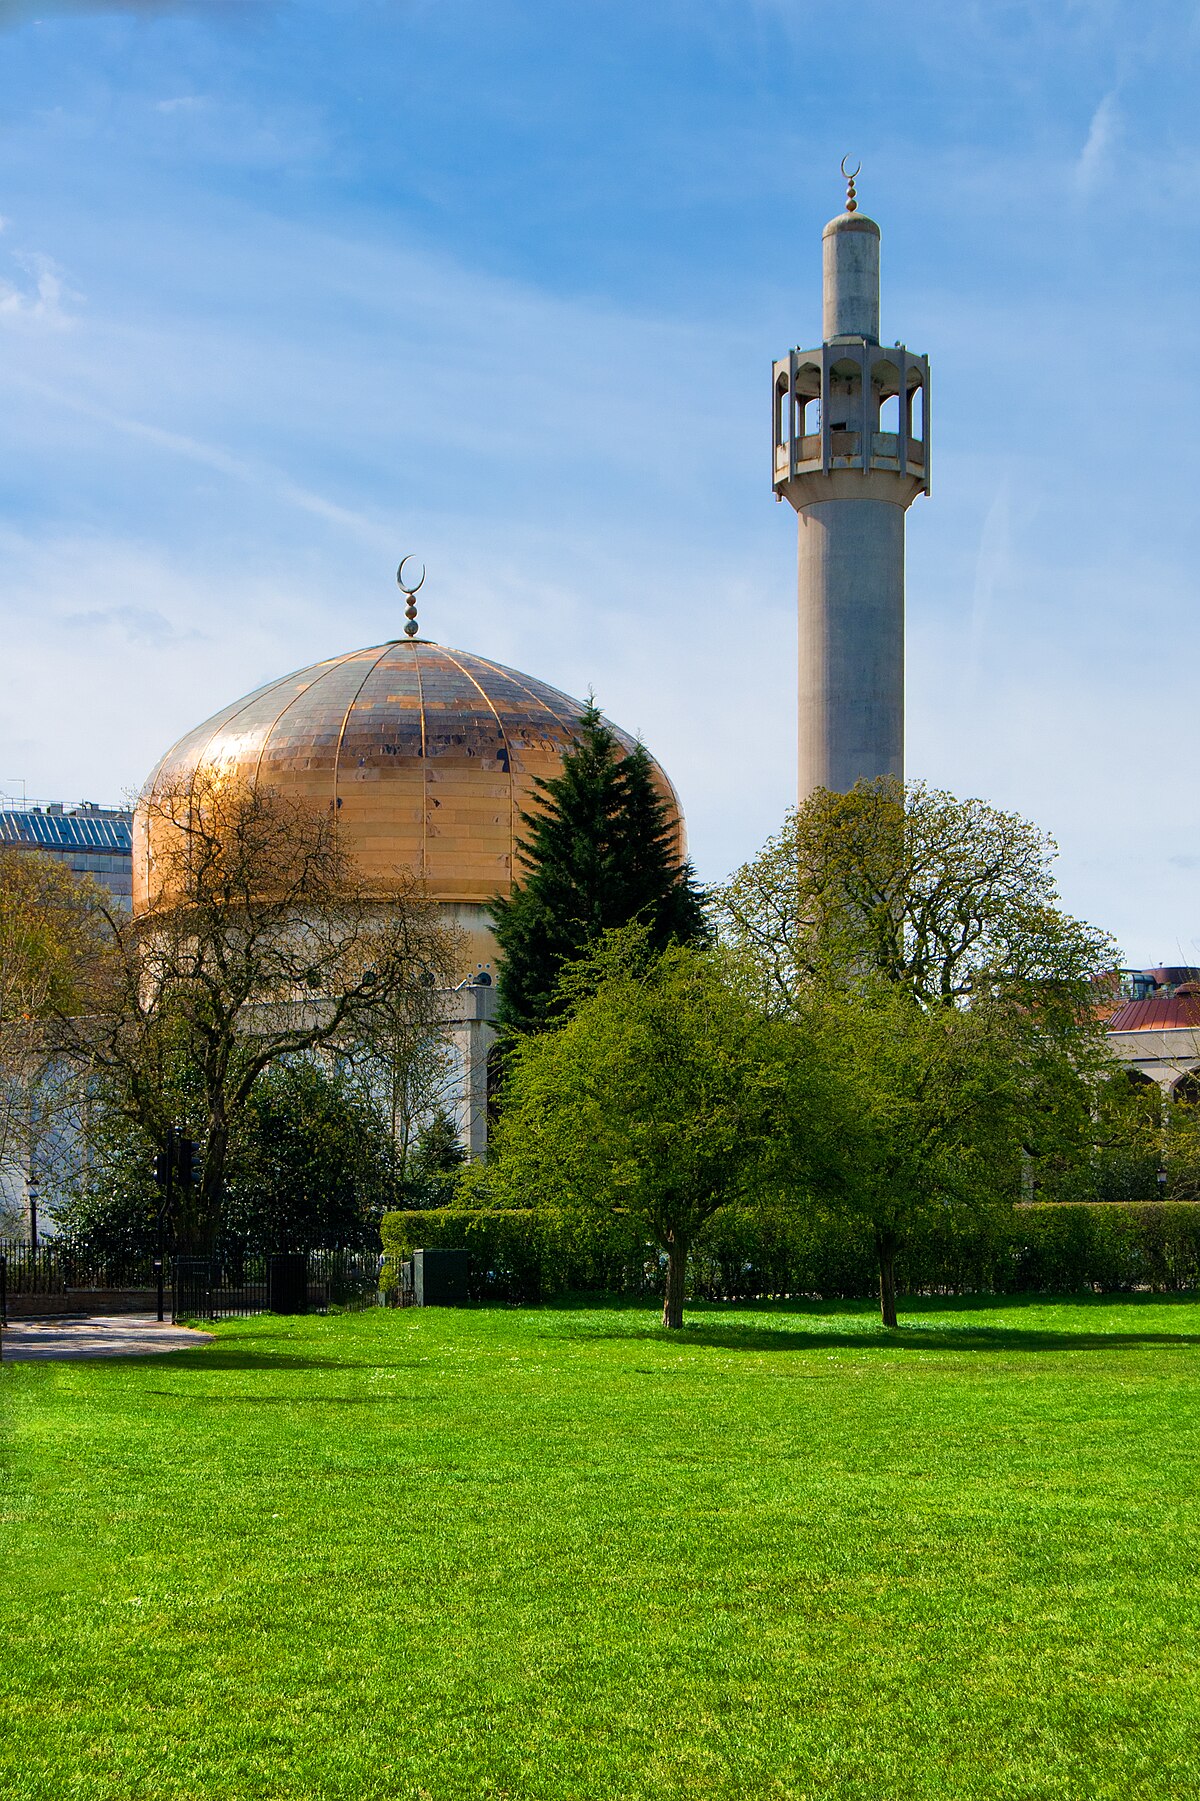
(558, 1554)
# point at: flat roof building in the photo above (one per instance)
(90, 839)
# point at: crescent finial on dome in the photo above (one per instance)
(410, 594)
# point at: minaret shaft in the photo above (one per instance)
(851, 453)
(851, 610)
(850, 279)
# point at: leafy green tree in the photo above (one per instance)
(315, 1165)
(599, 851)
(311, 1164)
(430, 1176)
(1125, 1147)
(954, 905)
(659, 1092)
(1145, 1145)
(924, 1111)
(1181, 1144)
(952, 899)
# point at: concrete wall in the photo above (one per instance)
(69, 1301)
(470, 1011)
(1164, 1056)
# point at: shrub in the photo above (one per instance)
(523, 1254)
(745, 1252)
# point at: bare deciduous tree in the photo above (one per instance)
(260, 941)
(47, 946)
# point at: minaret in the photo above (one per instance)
(851, 454)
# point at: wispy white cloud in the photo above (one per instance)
(136, 625)
(332, 317)
(112, 647)
(211, 456)
(42, 299)
(993, 567)
(1095, 159)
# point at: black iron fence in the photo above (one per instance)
(65, 1275)
(57, 1264)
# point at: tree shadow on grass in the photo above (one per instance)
(238, 1355)
(192, 1398)
(813, 1326)
(912, 1338)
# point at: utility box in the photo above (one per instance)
(439, 1278)
(287, 1283)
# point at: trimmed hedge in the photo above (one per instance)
(751, 1252)
(522, 1254)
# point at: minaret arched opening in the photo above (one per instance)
(916, 418)
(807, 389)
(783, 414)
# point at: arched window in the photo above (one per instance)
(885, 381)
(808, 400)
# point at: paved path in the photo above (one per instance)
(101, 1335)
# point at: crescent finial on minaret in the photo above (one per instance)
(851, 191)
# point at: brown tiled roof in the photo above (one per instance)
(1164, 1013)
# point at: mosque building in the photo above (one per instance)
(428, 756)
(1155, 1032)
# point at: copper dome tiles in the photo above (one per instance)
(427, 754)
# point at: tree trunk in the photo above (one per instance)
(206, 1201)
(885, 1247)
(677, 1255)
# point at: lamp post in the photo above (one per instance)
(31, 1189)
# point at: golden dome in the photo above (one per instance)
(427, 754)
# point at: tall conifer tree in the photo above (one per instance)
(597, 853)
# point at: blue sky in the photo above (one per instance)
(288, 289)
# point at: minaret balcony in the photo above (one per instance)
(851, 405)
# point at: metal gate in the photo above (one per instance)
(238, 1282)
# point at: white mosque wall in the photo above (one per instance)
(1163, 1056)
